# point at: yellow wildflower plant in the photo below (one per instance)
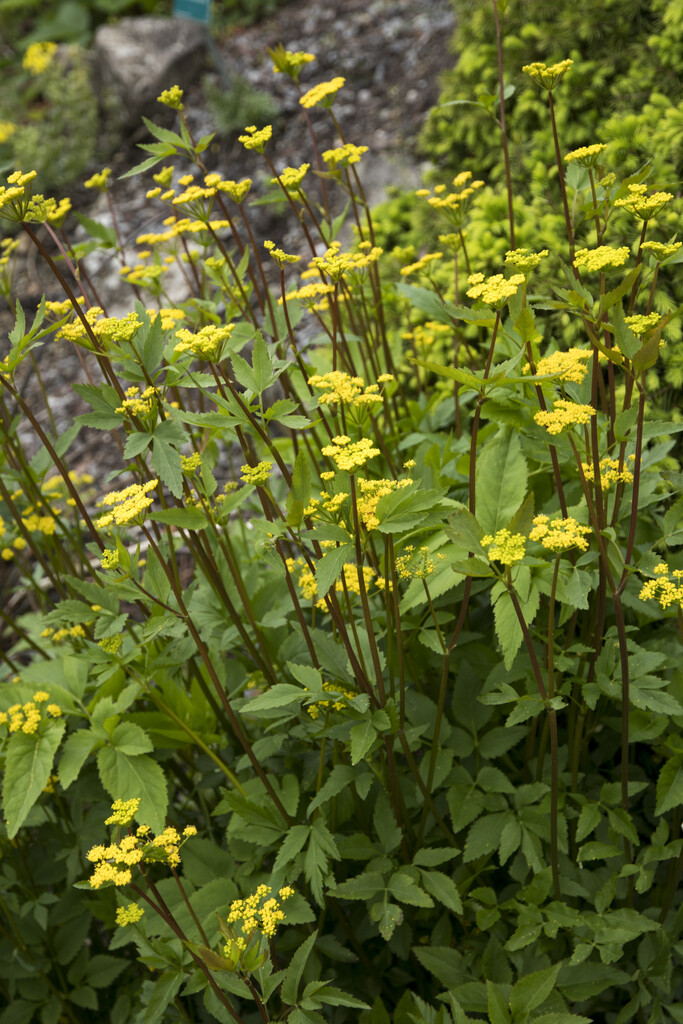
(416, 563)
(423, 263)
(559, 534)
(343, 156)
(206, 343)
(99, 180)
(341, 700)
(289, 62)
(564, 414)
(114, 863)
(601, 258)
(256, 138)
(129, 504)
(129, 914)
(548, 77)
(7, 130)
(323, 93)
(505, 547)
(642, 323)
(27, 717)
(642, 205)
(282, 258)
(291, 177)
(349, 455)
(666, 588)
(611, 472)
(494, 291)
(370, 493)
(524, 261)
(38, 57)
(172, 97)
(257, 475)
(568, 366)
(586, 156)
(660, 251)
(259, 914)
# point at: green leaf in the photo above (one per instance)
(292, 844)
(290, 986)
(670, 785)
(443, 889)
(362, 887)
(387, 916)
(501, 480)
(129, 738)
(185, 518)
(28, 764)
(408, 508)
(165, 462)
(508, 627)
(406, 890)
(300, 491)
(75, 752)
(126, 777)
(431, 856)
(465, 531)
(164, 992)
(137, 442)
(497, 1004)
(329, 567)
(281, 695)
(262, 363)
(363, 736)
(341, 776)
(532, 990)
(446, 964)
(102, 970)
(589, 819)
(484, 836)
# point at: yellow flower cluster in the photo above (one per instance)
(641, 204)
(99, 180)
(259, 912)
(38, 57)
(666, 588)
(128, 915)
(560, 534)
(27, 717)
(237, 190)
(610, 472)
(455, 202)
(256, 138)
(136, 404)
(190, 463)
(291, 177)
(109, 330)
(660, 251)
(641, 324)
(424, 335)
(347, 579)
(547, 77)
(505, 547)
(290, 62)
(349, 455)
(310, 294)
(281, 257)
(56, 636)
(523, 260)
(340, 388)
(338, 703)
(323, 93)
(416, 564)
(15, 194)
(110, 644)
(370, 493)
(587, 156)
(123, 811)
(257, 475)
(172, 97)
(421, 264)
(564, 414)
(601, 258)
(109, 559)
(343, 156)
(113, 863)
(336, 264)
(494, 291)
(7, 130)
(129, 503)
(206, 343)
(569, 365)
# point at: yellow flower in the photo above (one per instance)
(416, 564)
(350, 456)
(610, 472)
(421, 264)
(289, 62)
(666, 588)
(291, 177)
(586, 156)
(129, 503)
(641, 324)
(505, 547)
(496, 290)
(600, 258)
(323, 93)
(124, 811)
(38, 57)
(279, 255)
(257, 475)
(643, 205)
(569, 365)
(172, 97)
(256, 138)
(559, 534)
(523, 260)
(661, 251)
(99, 181)
(547, 77)
(7, 130)
(128, 915)
(343, 156)
(564, 414)
(206, 343)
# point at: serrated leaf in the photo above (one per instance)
(300, 491)
(497, 1004)
(362, 737)
(129, 738)
(281, 695)
(75, 751)
(165, 462)
(28, 764)
(406, 890)
(329, 567)
(443, 889)
(290, 986)
(185, 518)
(341, 776)
(670, 785)
(501, 480)
(292, 844)
(532, 990)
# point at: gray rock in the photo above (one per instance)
(136, 59)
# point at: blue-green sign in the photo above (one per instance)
(196, 10)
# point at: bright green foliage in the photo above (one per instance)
(356, 694)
